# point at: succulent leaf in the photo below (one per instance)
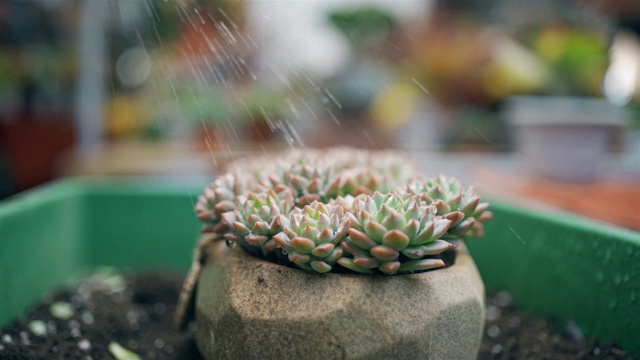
(361, 239)
(384, 253)
(396, 239)
(320, 266)
(390, 268)
(375, 230)
(366, 261)
(424, 264)
(437, 247)
(302, 244)
(348, 263)
(348, 246)
(323, 250)
(394, 221)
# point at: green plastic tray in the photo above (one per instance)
(556, 265)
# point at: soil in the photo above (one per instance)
(136, 312)
(514, 334)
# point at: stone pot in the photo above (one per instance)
(248, 308)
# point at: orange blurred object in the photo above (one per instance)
(616, 202)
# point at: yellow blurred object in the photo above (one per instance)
(577, 58)
(551, 43)
(125, 115)
(393, 106)
(514, 69)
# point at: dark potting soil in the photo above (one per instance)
(136, 313)
(514, 334)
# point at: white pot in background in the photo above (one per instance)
(563, 138)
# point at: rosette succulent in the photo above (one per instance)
(258, 217)
(218, 198)
(385, 227)
(312, 235)
(368, 212)
(455, 202)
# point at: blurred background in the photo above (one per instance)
(536, 102)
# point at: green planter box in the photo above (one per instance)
(555, 265)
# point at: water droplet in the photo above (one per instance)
(284, 252)
(230, 244)
(626, 278)
(496, 349)
(613, 304)
(617, 280)
(632, 296)
(158, 343)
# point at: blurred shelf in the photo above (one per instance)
(134, 157)
(615, 199)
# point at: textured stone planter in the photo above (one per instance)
(247, 308)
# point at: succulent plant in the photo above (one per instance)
(218, 198)
(258, 217)
(384, 227)
(312, 236)
(368, 212)
(455, 202)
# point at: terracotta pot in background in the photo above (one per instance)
(33, 148)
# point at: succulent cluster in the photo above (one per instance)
(370, 212)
